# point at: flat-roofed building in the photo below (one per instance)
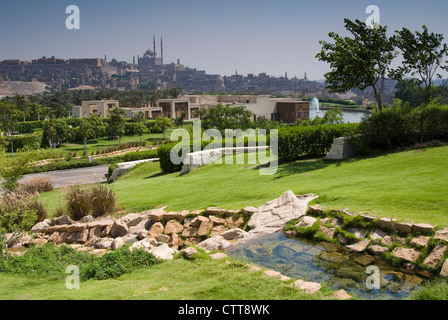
(102, 108)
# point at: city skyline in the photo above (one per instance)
(221, 38)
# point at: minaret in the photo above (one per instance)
(161, 48)
(154, 45)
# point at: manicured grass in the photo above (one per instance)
(411, 185)
(203, 279)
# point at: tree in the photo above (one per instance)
(333, 116)
(139, 127)
(21, 104)
(423, 54)
(9, 115)
(410, 91)
(85, 130)
(162, 124)
(116, 127)
(56, 131)
(12, 169)
(359, 62)
(228, 117)
(98, 126)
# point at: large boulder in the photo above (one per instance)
(273, 215)
(236, 233)
(163, 252)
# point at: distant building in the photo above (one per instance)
(102, 108)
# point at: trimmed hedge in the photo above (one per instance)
(31, 141)
(83, 163)
(299, 142)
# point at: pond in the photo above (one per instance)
(324, 263)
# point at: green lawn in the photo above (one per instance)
(203, 279)
(411, 185)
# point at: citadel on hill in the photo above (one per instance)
(149, 71)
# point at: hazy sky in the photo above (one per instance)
(251, 36)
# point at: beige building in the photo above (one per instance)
(100, 107)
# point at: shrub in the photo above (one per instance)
(36, 185)
(94, 200)
(116, 263)
(166, 164)
(78, 202)
(103, 200)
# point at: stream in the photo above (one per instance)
(325, 263)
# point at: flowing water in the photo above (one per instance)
(325, 263)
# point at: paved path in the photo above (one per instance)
(62, 178)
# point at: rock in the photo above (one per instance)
(386, 223)
(340, 295)
(218, 230)
(118, 229)
(145, 244)
(215, 210)
(359, 246)
(359, 233)
(218, 255)
(196, 222)
(406, 254)
(216, 220)
(308, 287)
(167, 216)
(181, 215)
(272, 273)
(274, 214)
(173, 226)
(175, 241)
(444, 270)
(421, 241)
(377, 234)
(62, 220)
(156, 229)
(214, 243)
(190, 232)
(163, 238)
(141, 221)
(234, 222)
(189, 252)
(423, 228)
(365, 260)
(403, 227)
(163, 252)
(141, 226)
(442, 234)
(55, 237)
(434, 257)
(94, 233)
(117, 243)
(156, 215)
(236, 233)
(40, 226)
(316, 210)
(378, 249)
(103, 243)
(142, 234)
(205, 228)
(191, 241)
(230, 213)
(76, 227)
(252, 268)
(387, 240)
(249, 211)
(83, 236)
(329, 232)
(341, 238)
(86, 219)
(306, 222)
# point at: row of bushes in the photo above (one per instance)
(33, 126)
(51, 261)
(400, 125)
(82, 163)
(28, 141)
(300, 142)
